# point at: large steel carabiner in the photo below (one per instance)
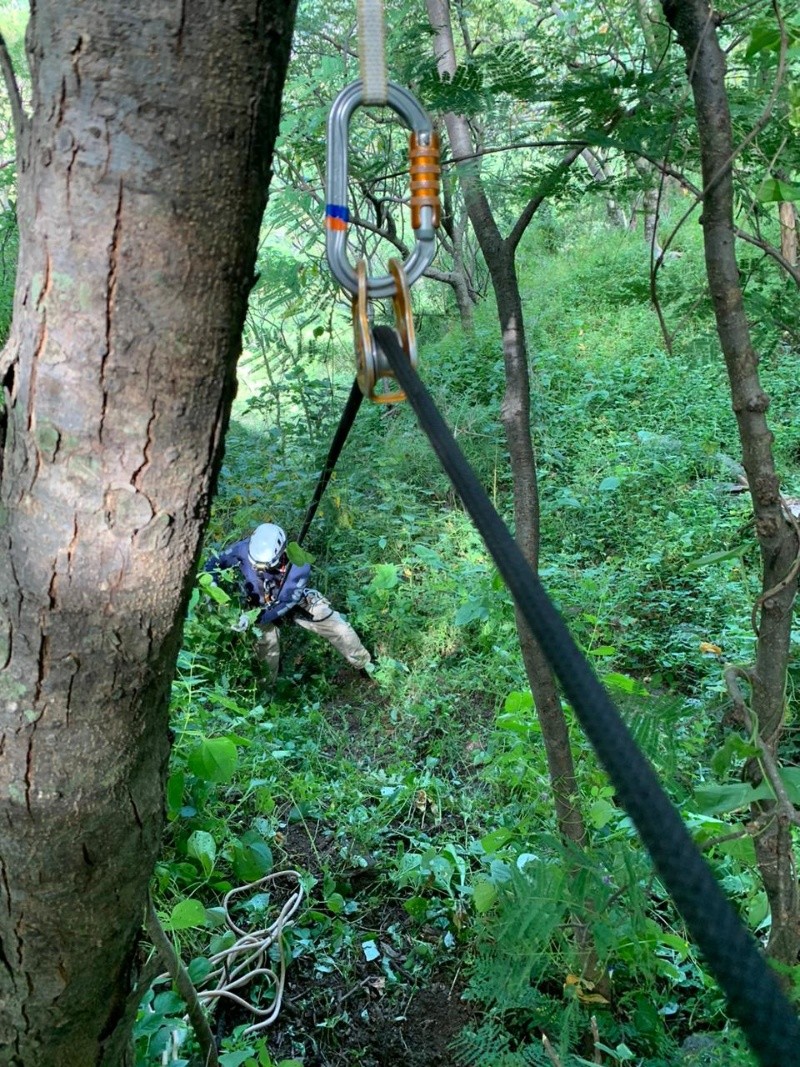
(425, 172)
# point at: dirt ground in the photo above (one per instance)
(415, 1029)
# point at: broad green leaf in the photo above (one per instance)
(491, 842)
(484, 894)
(214, 759)
(199, 969)
(386, 577)
(235, 1059)
(298, 555)
(467, 613)
(734, 747)
(518, 701)
(252, 857)
(601, 813)
(772, 190)
(168, 1003)
(187, 914)
(719, 799)
(608, 485)
(210, 588)
(201, 846)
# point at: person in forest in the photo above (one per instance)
(270, 581)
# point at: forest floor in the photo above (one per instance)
(353, 1016)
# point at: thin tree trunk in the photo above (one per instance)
(693, 22)
(143, 173)
(788, 216)
(500, 260)
(616, 216)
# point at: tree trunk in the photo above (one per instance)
(788, 217)
(143, 173)
(616, 216)
(695, 27)
(499, 254)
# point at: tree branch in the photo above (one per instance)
(533, 205)
(183, 984)
(18, 117)
(769, 766)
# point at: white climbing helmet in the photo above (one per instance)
(266, 545)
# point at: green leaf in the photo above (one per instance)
(175, 787)
(210, 588)
(235, 1059)
(772, 191)
(625, 684)
(298, 555)
(734, 747)
(252, 857)
(484, 894)
(199, 969)
(765, 37)
(202, 847)
(467, 613)
(720, 799)
(214, 759)
(601, 813)
(518, 701)
(335, 903)
(386, 577)
(491, 842)
(169, 1003)
(716, 557)
(608, 485)
(186, 914)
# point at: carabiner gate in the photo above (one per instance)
(425, 170)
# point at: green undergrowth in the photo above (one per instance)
(416, 805)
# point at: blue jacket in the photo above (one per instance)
(278, 590)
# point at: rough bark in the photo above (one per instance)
(499, 254)
(143, 173)
(695, 27)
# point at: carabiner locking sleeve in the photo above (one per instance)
(425, 172)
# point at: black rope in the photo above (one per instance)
(754, 996)
(339, 438)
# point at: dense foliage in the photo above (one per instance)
(417, 806)
(440, 901)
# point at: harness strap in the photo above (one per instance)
(754, 996)
(337, 444)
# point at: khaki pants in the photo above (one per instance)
(322, 620)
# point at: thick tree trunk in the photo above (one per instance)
(143, 173)
(694, 25)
